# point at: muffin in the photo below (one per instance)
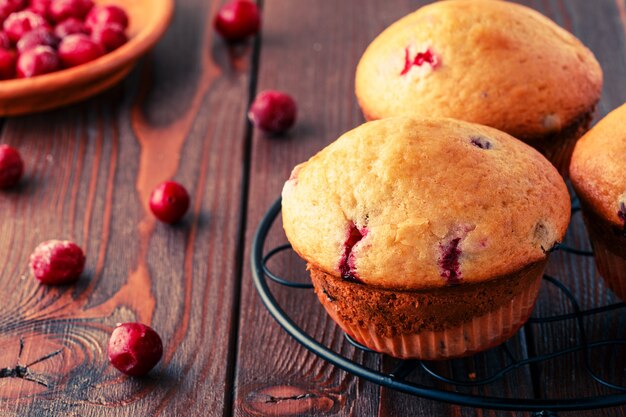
(484, 61)
(426, 238)
(598, 174)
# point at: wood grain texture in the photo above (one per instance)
(90, 170)
(600, 26)
(312, 52)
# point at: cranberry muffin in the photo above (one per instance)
(491, 62)
(426, 238)
(598, 174)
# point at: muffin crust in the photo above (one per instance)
(485, 61)
(424, 203)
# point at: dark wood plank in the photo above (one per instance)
(312, 52)
(90, 170)
(600, 26)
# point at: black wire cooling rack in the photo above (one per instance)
(397, 378)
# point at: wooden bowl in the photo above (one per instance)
(148, 21)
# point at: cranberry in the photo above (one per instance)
(37, 61)
(347, 266)
(109, 37)
(57, 262)
(69, 27)
(64, 9)
(134, 348)
(102, 15)
(420, 59)
(8, 59)
(77, 49)
(11, 166)
(41, 36)
(237, 20)
(449, 261)
(169, 202)
(41, 7)
(18, 24)
(273, 111)
(5, 42)
(480, 142)
(10, 6)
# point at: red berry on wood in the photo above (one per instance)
(57, 262)
(134, 348)
(11, 166)
(237, 20)
(169, 202)
(273, 111)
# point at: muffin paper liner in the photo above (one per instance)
(477, 334)
(609, 247)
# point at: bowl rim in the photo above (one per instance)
(108, 63)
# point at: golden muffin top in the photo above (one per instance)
(422, 203)
(598, 168)
(485, 61)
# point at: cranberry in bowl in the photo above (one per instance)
(104, 60)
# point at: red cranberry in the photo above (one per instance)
(134, 348)
(347, 265)
(237, 20)
(41, 7)
(69, 27)
(11, 166)
(421, 58)
(169, 202)
(37, 61)
(64, 9)
(8, 59)
(77, 49)
(10, 6)
(57, 262)
(41, 36)
(273, 111)
(109, 37)
(18, 24)
(102, 15)
(5, 42)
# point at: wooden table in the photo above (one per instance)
(182, 115)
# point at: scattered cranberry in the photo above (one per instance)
(41, 7)
(64, 9)
(37, 37)
(18, 24)
(109, 37)
(169, 202)
(37, 61)
(77, 49)
(57, 262)
(8, 59)
(102, 15)
(11, 166)
(69, 27)
(5, 42)
(10, 6)
(134, 348)
(237, 20)
(273, 111)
